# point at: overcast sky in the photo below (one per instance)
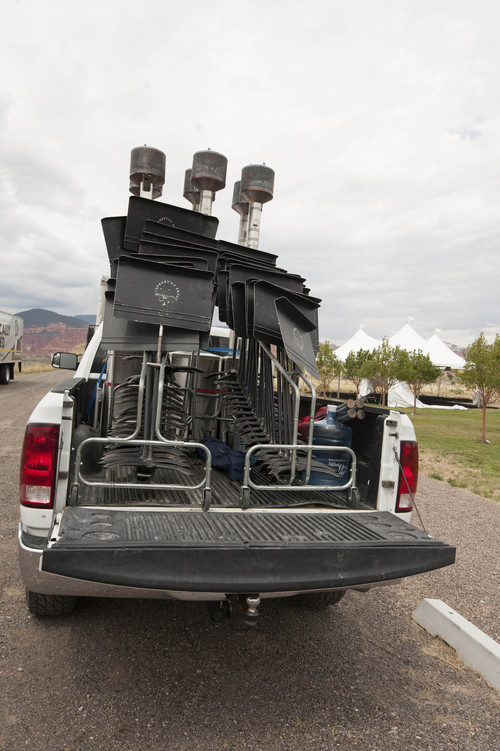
(381, 119)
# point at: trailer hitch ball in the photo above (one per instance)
(252, 610)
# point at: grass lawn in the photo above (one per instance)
(451, 450)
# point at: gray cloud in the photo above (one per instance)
(31, 179)
(378, 119)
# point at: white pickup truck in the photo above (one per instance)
(169, 466)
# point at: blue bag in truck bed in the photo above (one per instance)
(225, 458)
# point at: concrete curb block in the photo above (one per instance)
(473, 646)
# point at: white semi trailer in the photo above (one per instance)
(11, 338)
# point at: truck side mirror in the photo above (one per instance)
(64, 360)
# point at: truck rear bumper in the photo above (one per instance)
(174, 551)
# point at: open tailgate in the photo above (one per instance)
(239, 551)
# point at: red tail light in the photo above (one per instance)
(408, 476)
(38, 466)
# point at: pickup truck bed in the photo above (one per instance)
(114, 535)
(225, 492)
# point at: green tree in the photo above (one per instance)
(417, 369)
(328, 365)
(354, 367)
(482, 373)
(384, 368)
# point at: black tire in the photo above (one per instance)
(4, 374)
(43, 605)
(318, 600)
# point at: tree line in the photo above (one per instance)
(386, 365)
(383, 367)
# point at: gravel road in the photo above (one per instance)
(159, 675)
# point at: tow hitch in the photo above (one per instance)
(241, 607)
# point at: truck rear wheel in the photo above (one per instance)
(42, 605)
(318, 600)
(4, 374)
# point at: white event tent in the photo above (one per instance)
(442, 355)
(359, 340)
(408, 339)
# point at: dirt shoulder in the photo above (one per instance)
(472, 524)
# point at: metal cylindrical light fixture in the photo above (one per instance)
(135, 189)
(208, 175)
(257, 186)
(190, 193)
(241, 207)
(147, 171)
